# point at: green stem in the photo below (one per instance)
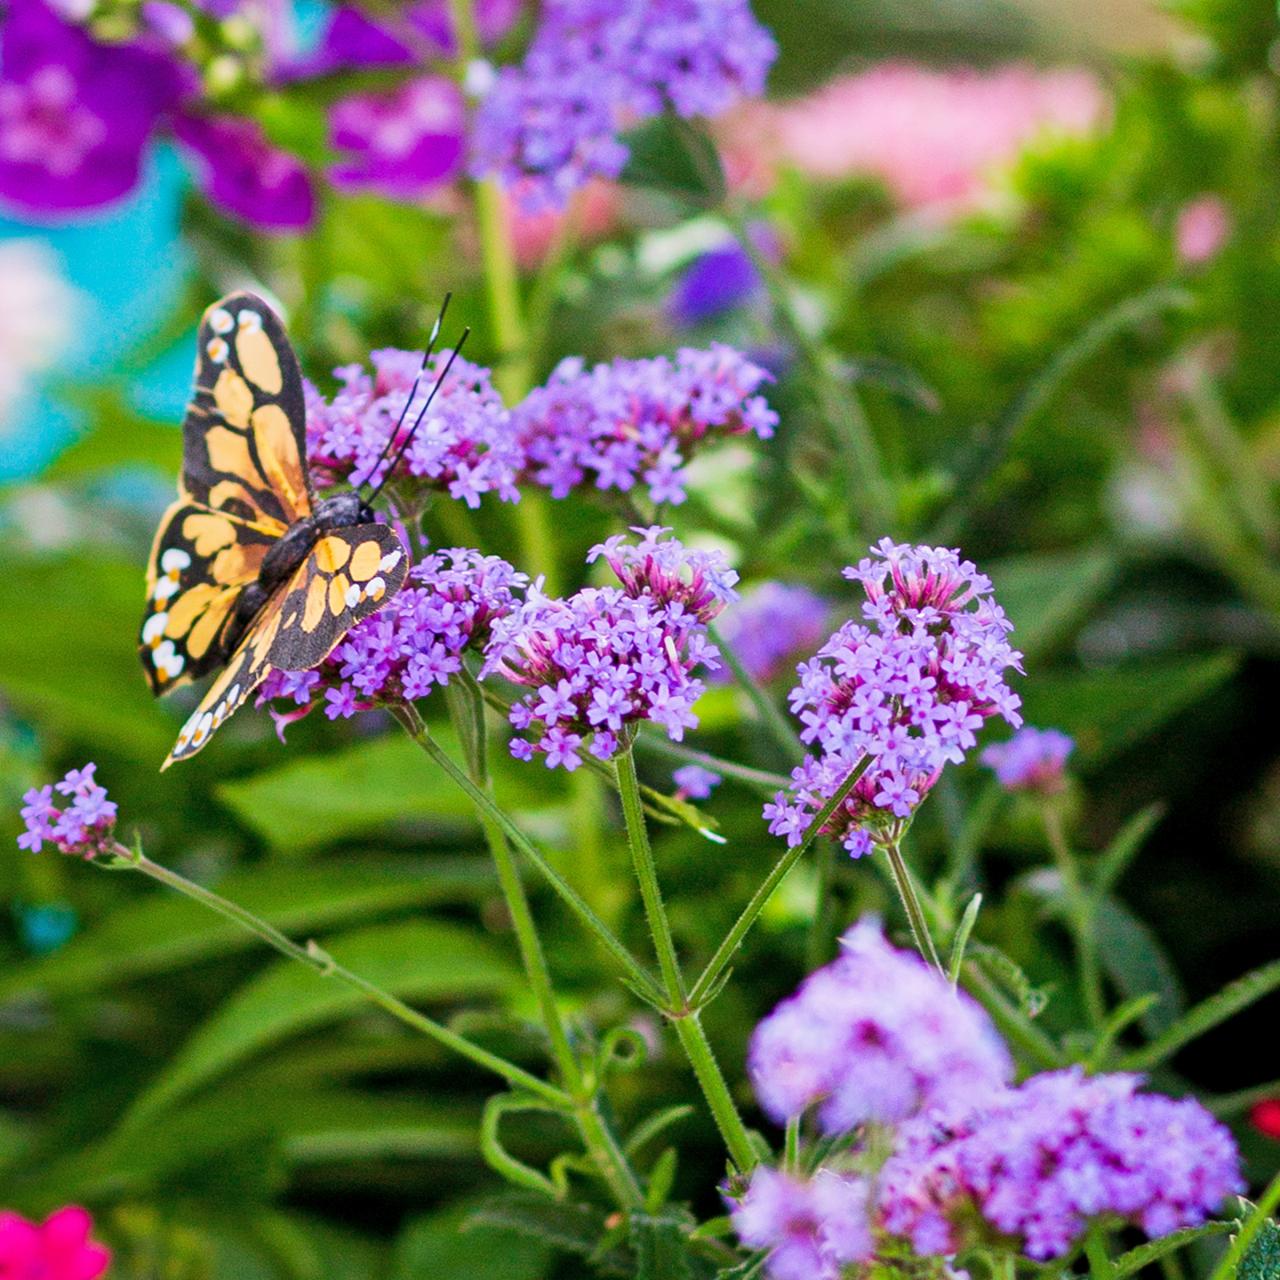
(821, 927)
(639, 978)
(1081, 911)
(1095, 1249)
(689, 1029)
(750, 913)
(324, 964)
(911, 904)
(780, 728)
(1013, 1024)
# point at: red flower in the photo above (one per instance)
(1266, 1117)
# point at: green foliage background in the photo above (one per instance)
(227, 1115)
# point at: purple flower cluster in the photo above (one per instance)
(873, 1037)
(1040, 1160)
(632, 421)
(774, 622)
(549, 125)
(85, 826)
(413, 643)
(606, 658)
(1032, 760)
(813, 1228)
(464, 445)
(908, 689)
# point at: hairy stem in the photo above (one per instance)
(911, 904)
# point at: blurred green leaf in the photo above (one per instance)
(161, 932)
(448, 1244)
(562, 1224)
(418, 959)
(120, 437)
(676, 157)
(660, 1248)
(1144, 1255)
(1138, 965)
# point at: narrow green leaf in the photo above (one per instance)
(659, 1122)
(1114, 861)
(1206, 1015)
(1137, 964)
(416, 959)
(660, 1248)
(161, 931)
(1144, 1255)
(961, 939)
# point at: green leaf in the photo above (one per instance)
(1206, 1015)
(1144, 1255)
(1111, 710)
(453, 1244)
(418, 959)
(1114, 861)
(676, 157)
(1006, 971)
(563, 1225)
(162, 932)
(1047, 596)
(660, 1248)
(1135, 961)
(1261, 1260)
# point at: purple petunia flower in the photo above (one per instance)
(715, 282)
(606, 659)
(1032, 760)
(695, 782)
(84, 827)
(414, 643)
(907, 689)
(75, 115)
(1041, 1160)
(873, 1037)
(772, 624)
(549, 125)
(638, 421)
(813, 1228)
(464, 446)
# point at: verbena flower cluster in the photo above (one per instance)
(464, 444)
(1041, 1160)
(84, 826)
(1032, 760)
(608, 658)
(772, 624)
(594, 67)
(415, 642)
(872, 1037)
(814, 1227)
(907, 689)
(634, 422)
(59, 1248)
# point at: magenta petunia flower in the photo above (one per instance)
(245, 174)
(59, 1248)
(75, 115)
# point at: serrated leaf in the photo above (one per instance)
(564, 1225)
(1144, 1255)
(162, 932)
(1261, 1260)
(660, 1248)
(419, 959)
(1030, 999)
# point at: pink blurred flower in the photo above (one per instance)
(59, 1248)
(1202, 227)
(595, 208)
(933, 138)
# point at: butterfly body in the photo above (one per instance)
(248, 571)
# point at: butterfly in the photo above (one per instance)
(248, 570)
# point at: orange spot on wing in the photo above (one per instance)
(364, 561)
(331, 554)
(238, 563)
(208, 533)
(234, 399)
(317, 590)
(187, 608)
(206, 630)
(229, 452)
(338, 594)
(278, 453)
(258, 359)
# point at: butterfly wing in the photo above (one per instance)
(346, 577)
(244, 482)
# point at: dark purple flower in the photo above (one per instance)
(873, 1037)
(75, 115)
(246, 175)
(717, 281)
(1032, 760)
(813, 1228)
(84, 827)
(1041, 1160)
(638, 421)
(548, 126)
(907, 688)
(399, 142)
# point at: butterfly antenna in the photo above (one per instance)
(413, 391)
(422, 413)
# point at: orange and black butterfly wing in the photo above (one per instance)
(244, 436)
(347, 576)
(244, 482)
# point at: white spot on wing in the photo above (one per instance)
(220, 320)
(174, 560)
(217, 350)
(389, 561)
(375, 588)
(153, 629)
(249, 319)
(354, 596)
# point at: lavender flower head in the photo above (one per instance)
(907, 690)
(694, 782)
(594, 67)
(1032, 760)
(813, 1228)
(639, 421)
(464, 446)
(84, 827)
(606, 658)
(773, 623)
(1041, 1160)
(872, 1038)
(415, 642)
